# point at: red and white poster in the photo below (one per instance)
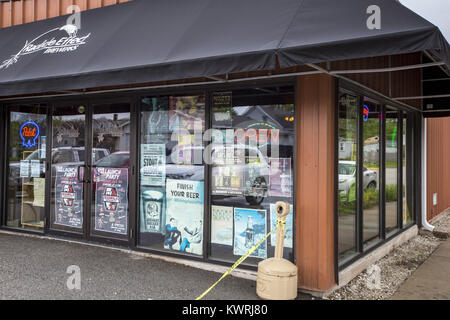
(111, 200)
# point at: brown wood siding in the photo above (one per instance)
(438, 165)
(315, 182)
(392, 84)
(23, 11)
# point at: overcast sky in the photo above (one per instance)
(435, 11)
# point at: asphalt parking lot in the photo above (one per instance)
(33, 268)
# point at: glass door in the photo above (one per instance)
(110, 171)
(68, 163)
(26, 183)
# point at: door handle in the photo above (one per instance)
(86, 170)
(78, 174)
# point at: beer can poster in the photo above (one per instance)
(250, 227)
(152, 209)
(111, 199)
(68, 197)
(184, 218)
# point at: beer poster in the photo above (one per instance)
(184, 219)
(250, 227)
(227, 171)
(222, 225)
(68, 197)
(152, 209)
(153, 164)
(280, 177)
(186, 113)
(288, 232)
(111, 200)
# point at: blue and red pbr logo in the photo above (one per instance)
(29, 132)
(366, 112)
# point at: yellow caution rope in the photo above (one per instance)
(245, 256)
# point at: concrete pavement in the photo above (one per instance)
(431, 281)
(32, 268)
(35, 268)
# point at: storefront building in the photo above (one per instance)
(179, 138)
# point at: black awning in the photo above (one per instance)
(145, 41)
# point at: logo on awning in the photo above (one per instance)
(50, 42)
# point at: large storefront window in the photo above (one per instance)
(407, 163)
(391, 165)
(27, 147)
(251, 169)
(248, 155)
(172, 173)
(347, 170)
(371, 170)
(375, 172)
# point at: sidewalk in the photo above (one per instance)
(32, 268)
(35, 268)
(431, 280)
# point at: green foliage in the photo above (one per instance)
(391, 192)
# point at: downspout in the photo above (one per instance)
(425, 223)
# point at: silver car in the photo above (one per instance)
(347, 177)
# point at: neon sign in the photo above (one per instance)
(260, 136)
(366, 113)
(29, 132)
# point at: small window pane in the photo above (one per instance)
(348, 155)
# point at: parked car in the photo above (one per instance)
(347, 177)
(175, 168)
(62, 156)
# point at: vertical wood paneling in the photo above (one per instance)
(438, 165)
(54, 8)
(17, 12)
(29, 11)
(315, 182)
(402, 83)
(24, 11)
(41, 8)
(6, 14)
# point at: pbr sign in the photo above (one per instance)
(58, 40)
(29, 132)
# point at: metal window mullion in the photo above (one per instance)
(48, 167)
(207, 176)
(3, 200)
(382, 175)
(400, 172)
(359, 178)
(134, 208)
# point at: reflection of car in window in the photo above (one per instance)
(62, 156)
(115, 160)
(347, 177)
(247, 162)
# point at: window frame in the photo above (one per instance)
(414, 170)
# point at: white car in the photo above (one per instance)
(347, 177)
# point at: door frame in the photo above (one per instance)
(86, 234)
(5, 127)
(131, 233)
(55, 232)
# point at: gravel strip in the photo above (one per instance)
(394, 268)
